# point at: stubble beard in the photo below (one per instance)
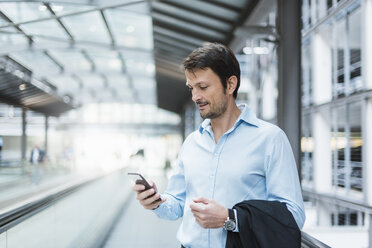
(215, 111)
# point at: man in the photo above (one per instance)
(37, 155)
(232, 157)
(36, 159)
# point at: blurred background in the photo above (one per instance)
(90, 90)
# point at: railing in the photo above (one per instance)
(77, 214)
(16, 216)
(355, 174)
(308, 241)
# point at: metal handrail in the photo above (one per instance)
(13, 216)
(308, 241)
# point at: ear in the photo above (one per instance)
(231, 84)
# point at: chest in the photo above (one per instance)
(237, 159)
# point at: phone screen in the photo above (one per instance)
(139, 179)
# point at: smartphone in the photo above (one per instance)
(139, 179)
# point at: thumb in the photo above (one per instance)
(201, 200)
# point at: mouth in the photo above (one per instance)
(202, 105)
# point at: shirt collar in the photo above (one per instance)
(246, 115)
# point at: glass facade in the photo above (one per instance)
(307, 147)
(334, 28)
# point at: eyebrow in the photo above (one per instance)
(198, 83)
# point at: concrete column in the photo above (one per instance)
(366, 6)
(46, 135)
(324, 211)
(370, 231)
(322, 155)
(322, 68)
(367, 147)
(289, 73)
(24, 136)
(313, 11)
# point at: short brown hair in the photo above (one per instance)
(219, 58)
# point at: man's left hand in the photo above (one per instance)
(208, 213)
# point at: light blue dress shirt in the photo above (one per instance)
(252, 160)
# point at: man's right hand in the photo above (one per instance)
(142, 197)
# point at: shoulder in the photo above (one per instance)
(269, 129)
(192, 137)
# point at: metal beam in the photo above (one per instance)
(55, 61)
(206, 9)
(105, 80)
(76, 44)
(24, 135)
(178, 46)
(76, 13)
(89, 59)
(191, 17)
(122, 61)
(63, 26)
(289, 73)
(244, 13)
(232, 5)
(178, 36)
(16, 26)
(78, 80)
(186, 27)
(176, 40)
(257, 32)
(113, 42)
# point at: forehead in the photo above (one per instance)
(201, 75)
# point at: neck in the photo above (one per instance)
(226, 121)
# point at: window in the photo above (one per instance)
(346, 147)
(347, 54)
(306, 73)
(307, 148)
(339, 53)
(355, 43)
(347, 217)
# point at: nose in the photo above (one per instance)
(195, 95)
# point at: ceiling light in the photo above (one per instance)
(256, 50)
(261, 50)
(22, 87)
(66, 99)
(42, 7)
(247, 50)
(57, 8)
(130, 29)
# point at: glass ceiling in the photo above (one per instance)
(100, 53)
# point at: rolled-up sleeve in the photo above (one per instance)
(282, 180)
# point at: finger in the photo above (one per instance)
(196, 207)
(201, 200)
(152, 184)
(145, 194)
(150, 200)
(138, 187)
(155, 205)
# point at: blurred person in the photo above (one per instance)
(36, 159)
(233, 167)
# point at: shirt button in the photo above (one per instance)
(211, 176)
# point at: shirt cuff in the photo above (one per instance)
(236, 221)
(160, 208)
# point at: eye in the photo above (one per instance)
(203, 87)
(189, 89)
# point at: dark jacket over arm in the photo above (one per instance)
(264, 224)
